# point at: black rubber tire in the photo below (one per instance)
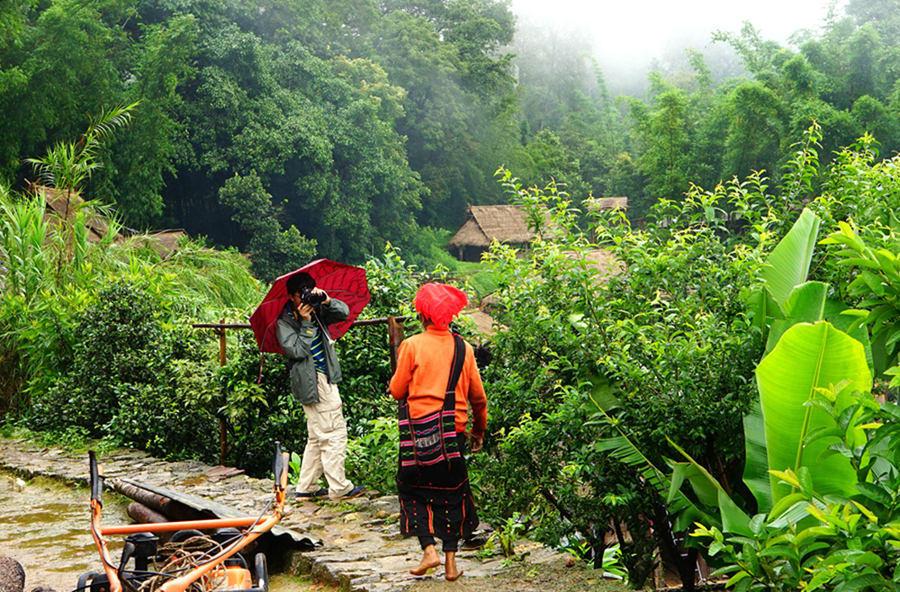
(183, 535)
(84, 581)
(262, 572)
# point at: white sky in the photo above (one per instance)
(645, 26)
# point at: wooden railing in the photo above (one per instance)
(395, 336)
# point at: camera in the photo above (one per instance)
(307, 296)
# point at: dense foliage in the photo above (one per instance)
(287, 131)
(648, 358)
(127, 378)
(352, 136)
(661, 319)
(284, 130)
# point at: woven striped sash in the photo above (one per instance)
(429, 440)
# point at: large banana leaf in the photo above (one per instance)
(756, 458)
(808, 356)
(799, 301)
(805, 304)
(788, 264)
(762, 307)
(846, 323)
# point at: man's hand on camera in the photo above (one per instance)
(305, 311)
(326, 299)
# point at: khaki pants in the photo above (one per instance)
(326, 447)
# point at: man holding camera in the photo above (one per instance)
(315, 372)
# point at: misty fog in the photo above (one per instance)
(629, 39)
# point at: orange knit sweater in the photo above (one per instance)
(423, 369)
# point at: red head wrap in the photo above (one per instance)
(440, 303)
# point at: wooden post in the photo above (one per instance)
(223, 433)
(222, 357)
(395, 336)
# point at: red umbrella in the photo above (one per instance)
(344, 282)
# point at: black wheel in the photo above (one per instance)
(94, 582)
(262, 573)
(84, 581)
(183, 535)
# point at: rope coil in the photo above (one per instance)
(182, 556)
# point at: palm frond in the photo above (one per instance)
(67, 164)
(110, 121)
(624, 450)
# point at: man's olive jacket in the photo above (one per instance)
(296, 337)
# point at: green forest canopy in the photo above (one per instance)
(354, 122)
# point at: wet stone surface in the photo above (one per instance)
(44, 526)
(359, 547)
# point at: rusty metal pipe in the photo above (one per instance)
(144, 515)
(171, 509)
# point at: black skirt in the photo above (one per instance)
(436, 500)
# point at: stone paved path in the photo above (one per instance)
(360, 545)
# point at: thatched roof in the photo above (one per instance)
(602, 260)
(483, 322)
(484, 224)
(165, 241)
(64, 205)
(607, 203)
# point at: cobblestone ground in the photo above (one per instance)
(358, 544)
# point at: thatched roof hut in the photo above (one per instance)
(507, 224)
(606, 203)
(63, 206)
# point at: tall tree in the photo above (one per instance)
(663, 132)
(757, 118)
(272, 250)
(456, 108)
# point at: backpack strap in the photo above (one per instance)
(459, 356)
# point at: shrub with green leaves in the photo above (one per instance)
(821, 453)
(372, 457)
(122, 381)
(667, 332)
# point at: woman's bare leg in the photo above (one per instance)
(429, 559)
(452, 573)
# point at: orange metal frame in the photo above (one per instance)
(258, 526)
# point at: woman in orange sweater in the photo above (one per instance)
(433, 481)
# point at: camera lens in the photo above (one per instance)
(307, 296)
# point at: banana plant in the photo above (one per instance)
(807, 357)
(805, 353)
